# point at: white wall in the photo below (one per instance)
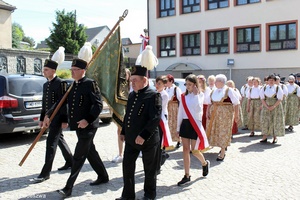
(268, 11)
(5, 29)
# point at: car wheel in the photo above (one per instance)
(106, 120)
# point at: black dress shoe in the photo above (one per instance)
(264, 141)
(65, 192)
(145, 198)
(123, 198)
(65, 167)
(220, 158)
(40, 179)
(178, 145)
(99, 181)
(274, 141)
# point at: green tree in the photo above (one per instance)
(17, 35)
(30, 40)
(67, 33)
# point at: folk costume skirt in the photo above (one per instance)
(292, 110)
(219, 127)
(254, 114)
(244, 112)
(272, 122)
(172, 119)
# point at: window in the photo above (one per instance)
(218, 42)
(282, 36)
(191, 44)
(167, 46)
(248, 39)
(166, 8)
(243, 2)
(214, 4)
(189, 6)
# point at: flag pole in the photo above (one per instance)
(44, 128)
(121, 18)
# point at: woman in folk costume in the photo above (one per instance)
(206, 90)
(236, 125)
(189, 127)
(174, 93)
(285, 93)
(272, 117)
(254, 106)
(292, 104)
(221, 111)
(244, 90)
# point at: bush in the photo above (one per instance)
(63, 73)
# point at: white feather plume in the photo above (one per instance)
(59, 55)
(147, 58)
(85, 53)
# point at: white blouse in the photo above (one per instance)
(270, 91)
(237, 92)
(245, 88)
(218, 94)
(170, 92)
(291, 89)
(195, 106)
(165, 100)
(206, 95)
(254, 94)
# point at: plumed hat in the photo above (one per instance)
(84, 56)
(57, 58)
(145, 61)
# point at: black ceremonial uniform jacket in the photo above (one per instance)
(142, 117)
(84, 102)
(53, 91)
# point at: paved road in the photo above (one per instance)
(250, 170)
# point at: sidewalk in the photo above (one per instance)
(250, 170)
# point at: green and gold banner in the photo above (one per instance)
(108, 70)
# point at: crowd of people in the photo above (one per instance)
(205, 115)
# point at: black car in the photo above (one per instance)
(20, 102)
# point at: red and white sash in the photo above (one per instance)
(166, 137)
(202, 142)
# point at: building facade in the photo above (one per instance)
(235, 37)
(5, 24)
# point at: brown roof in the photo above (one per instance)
(6, 6)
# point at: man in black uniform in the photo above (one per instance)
(85, 105)
(53, 90)
(140, 132)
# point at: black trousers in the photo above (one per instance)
(85, 149)
(55, 137)
(150, 159)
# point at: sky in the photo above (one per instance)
(36, 16)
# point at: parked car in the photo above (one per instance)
(20, 102)
(106, 113)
